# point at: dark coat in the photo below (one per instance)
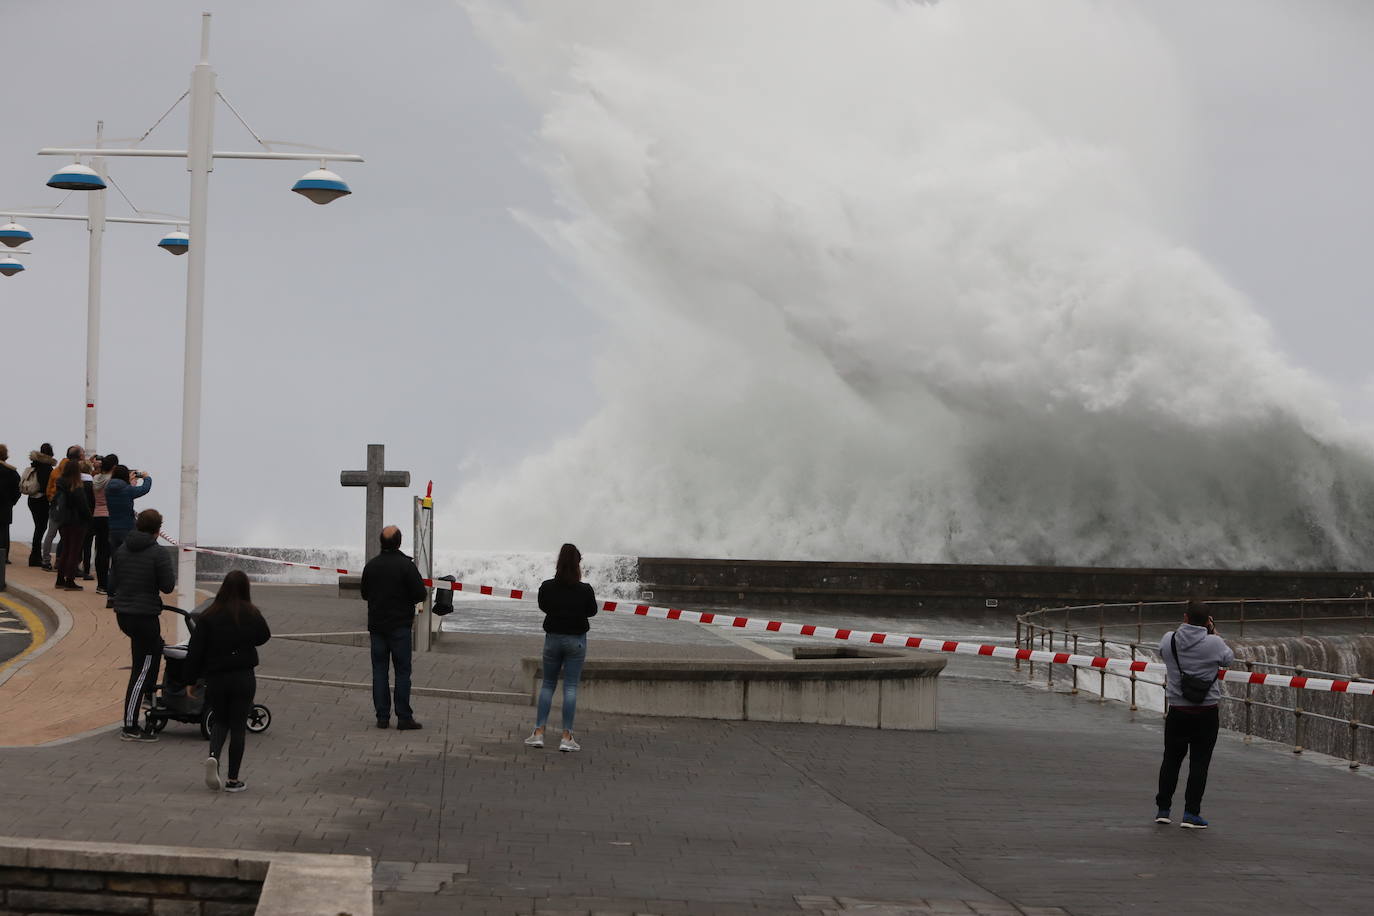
(566, 607)
(392, 586)
(141, 570)
(74, 507)
(43, 467)
(219, 645)
(9, 492)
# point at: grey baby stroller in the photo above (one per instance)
(174, 700)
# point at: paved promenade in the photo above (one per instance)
(1023, 802)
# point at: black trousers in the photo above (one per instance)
(1192, 735)
(100, 531)
(229, 695)
(38, 508)
(145, 641)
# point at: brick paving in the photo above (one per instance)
(91, 664)
(1023, 802)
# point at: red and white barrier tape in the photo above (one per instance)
(249, 556)
(898, 640)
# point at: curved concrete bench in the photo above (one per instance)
(870, 692)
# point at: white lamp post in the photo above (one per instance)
(93, 179)
(199, 155)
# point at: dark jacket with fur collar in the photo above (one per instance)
(43, 466)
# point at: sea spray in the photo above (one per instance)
(896, 281)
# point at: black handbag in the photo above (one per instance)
(1194, 689)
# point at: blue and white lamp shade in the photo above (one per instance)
(77, 177)
(321, 186)
(175, 242)
(9, 266)
(12, 235)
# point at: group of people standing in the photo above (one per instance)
(83, 505)
(392, 586)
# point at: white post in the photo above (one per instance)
(199, 162)
(95, 222)
(424, 561)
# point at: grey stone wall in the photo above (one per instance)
(1004, 590)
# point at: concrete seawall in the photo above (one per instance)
(690, 582)
(868, 691)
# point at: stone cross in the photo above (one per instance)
(375, 478)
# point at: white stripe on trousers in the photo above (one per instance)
(136, 695)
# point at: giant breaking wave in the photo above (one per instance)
(901, 281)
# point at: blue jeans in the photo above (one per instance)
(566, 653)
(391, 649)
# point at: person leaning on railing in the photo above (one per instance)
(1192, 654)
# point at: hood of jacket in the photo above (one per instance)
(140, 540)
(1187, 636)
(40, 458)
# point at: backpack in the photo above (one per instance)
(28, 481)
(1194, 689)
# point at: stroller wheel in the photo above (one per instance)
(259, 718)
(207, 722)
(156, 723)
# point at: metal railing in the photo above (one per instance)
(1094, 628)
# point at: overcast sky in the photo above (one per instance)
(418, 313)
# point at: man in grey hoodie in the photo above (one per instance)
(1190, 729)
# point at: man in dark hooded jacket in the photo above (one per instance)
(144, 572)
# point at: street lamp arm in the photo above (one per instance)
(20, 214)
(103, 151)
(146, 222)
(109, 219)
(181, 154)
(305, 157)
(84, 219)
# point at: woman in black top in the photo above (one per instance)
(567, 602)
(224, 651)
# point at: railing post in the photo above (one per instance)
(1249, 707)
(1101, 672)
(1297, 715)
(1074, 668)
(1242, 619)
(1017, 663)
(1030, 644)
(1049, 666)
(1133, 706)
(1354, 741)
(1302, 615)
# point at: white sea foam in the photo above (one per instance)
(900, 281)
(612, 577)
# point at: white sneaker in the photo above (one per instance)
(535, 740)
(568, 744)
(212, 777)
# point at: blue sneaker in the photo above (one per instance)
(1193, 821)
(1162, 816)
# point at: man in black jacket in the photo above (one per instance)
(144, 570)
(392, 587)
